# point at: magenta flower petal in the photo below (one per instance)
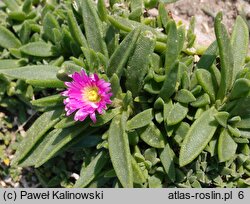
(93, 117)
(86, 95)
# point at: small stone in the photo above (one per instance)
(153, 12)
(75, 176)
(2, 184)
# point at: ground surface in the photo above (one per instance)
(205, 11)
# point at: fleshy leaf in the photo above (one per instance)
(51, 144)
(172, 49)
(35, 132)
(137, 66)
(201, 101)
(226, 146)
(198, 136)
(152, 136)
(226, 57)
(48, 101)
(204, 78)
(50, 23)
(177, 114)
(244, 123)
(106, 117)
(167, 160)
(138, 176)
(8, 39)
(40, 75)
(240, 89)
(120, 57)
(222, 118)
(75, 30)
(37, 49)
(141, 119)
(169, 84)
(239, 41)
(93, 27)
(92, 170)
(119, 150)
(184, 96)
(208, 57)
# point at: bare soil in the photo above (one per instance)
(205, 11)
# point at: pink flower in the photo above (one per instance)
(85, 95)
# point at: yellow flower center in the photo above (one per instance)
(91, 94)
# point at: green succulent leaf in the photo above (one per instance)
(169, 84)
(201, 101)
(244, 123)
(137, 66)
(180, 112)
(138, 176)
(65, 122)
(226, 146)
(12, 5)
(17, 15)
(167, 107)
(115, 85)
(234, 131)
(102, 10)
(50, 145)
(177, 114)
(184, 96)
(167, 160)
(48, 101)
(11, 63)
(172, 50)
(50, 23)
(37, 49)
(208, 58)
(35, 132)
(119, 150)
(181, 33)
(204, 78)
(152, 136)
(163, 14)
(222, 118)
(27, 6)
(120, 57)
(168, 1)
(159, 103)
(25, 32)
(240, 89)
(127, 25)
(38, 75)
(239, 41)
(133, 137)
(226, 57)
(92, 170)
(141, 119)
(106, 117)
(198, 136)
(75, 30)
(93, 27)
(241, 107)
(8, 39)
(152, 87)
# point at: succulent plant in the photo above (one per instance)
(180, 114)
